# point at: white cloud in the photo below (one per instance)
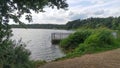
(78, 9)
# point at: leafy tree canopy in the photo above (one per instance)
(15, 55)
(14, 9)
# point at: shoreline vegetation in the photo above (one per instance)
(89, 41)
(93, 35)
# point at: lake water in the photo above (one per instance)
(39, 43)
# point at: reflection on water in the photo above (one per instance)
(39, 43)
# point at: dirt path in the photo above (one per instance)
(109, 59)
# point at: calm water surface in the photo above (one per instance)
(39, 43)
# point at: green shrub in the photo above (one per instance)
(90, 41)
(70, 43)
(100, 40)
(118, 35)
(14, 56)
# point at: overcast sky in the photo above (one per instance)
(78, 9)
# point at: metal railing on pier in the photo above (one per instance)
(56, 37)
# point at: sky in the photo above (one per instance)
(78, 9)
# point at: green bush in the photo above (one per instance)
(100, 40)
(118, 35)
(70, 43)
(90, 41)
(14, 56)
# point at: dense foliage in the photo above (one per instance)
(110, 22)
(14, 9)
(12, 55)
(98, 41)
(94, 40)
(15, 55)
(70, 43)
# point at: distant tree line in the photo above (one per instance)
(109, 22)
(42, 26)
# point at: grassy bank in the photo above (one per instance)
(87, 41)
(38, 63)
